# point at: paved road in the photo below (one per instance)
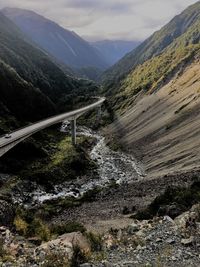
(25, 132)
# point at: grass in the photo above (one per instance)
(65, 151)
(153, 73)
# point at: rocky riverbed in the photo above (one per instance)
(113, 167)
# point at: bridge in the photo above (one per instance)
(9, 141)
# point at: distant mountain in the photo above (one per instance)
(66, 46)
(151, 47)
(115, 50)
(31, 85)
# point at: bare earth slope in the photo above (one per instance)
(163, 129)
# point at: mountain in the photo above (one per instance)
(31, 85)
(151, 47)
(66, 46)
(114, 50)
(159, 102)
(150, 76)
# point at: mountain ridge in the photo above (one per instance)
(151, 46)
(66, 46)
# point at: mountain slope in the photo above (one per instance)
(21, 98)
(64, 45)
(31, 85)
(162, 130)
(114, 50)
(152, 74)
(153, 46)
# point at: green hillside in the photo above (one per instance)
(155, 72)
(153, 46)
(31, 85)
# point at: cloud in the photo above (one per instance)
(106, 19)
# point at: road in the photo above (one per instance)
(23, 133)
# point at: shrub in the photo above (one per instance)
(78, 257)
(20, 225)
(95, 241)
(38, 228)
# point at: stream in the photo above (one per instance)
(113, 167)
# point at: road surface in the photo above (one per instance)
(23, 133)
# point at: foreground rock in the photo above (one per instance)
(17, 251)
(65, 245)
(158, 242)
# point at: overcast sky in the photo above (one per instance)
(106, 19)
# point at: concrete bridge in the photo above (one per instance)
(9, 141)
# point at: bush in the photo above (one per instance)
(78, 257)
(20, 225)
(95, 241)
(172, 202)
(29, 226)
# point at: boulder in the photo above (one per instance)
(65, 243)
(187, 241)
(132, 228)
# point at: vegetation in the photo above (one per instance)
(31, 223)
(95, 240)
(151, 47)
(50, 160)
(173, 202)
(155, 72)
(30, 81)
(155, 61)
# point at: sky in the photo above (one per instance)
(106, 19)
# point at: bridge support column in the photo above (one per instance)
(98, 113)
(73, 128)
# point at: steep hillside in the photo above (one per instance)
(153, 46)
(114, 50)
(31, 85)
(21, 98)
(163, 129)
(154, 73)
(66, 46)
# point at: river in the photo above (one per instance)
(113, 167)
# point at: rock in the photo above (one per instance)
(158, 240)
(132, 228)
(65, 243)
(187, 241)
(168, 219)
(170, 241)
(86, 265)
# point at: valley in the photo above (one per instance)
(127, 192)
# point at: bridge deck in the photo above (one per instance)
(38, 126)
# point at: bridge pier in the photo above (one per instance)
(73, 129)
(99, 113)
